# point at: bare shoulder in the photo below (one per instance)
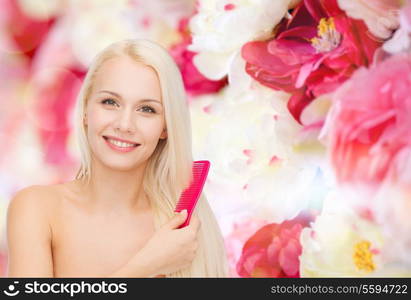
(44, 200)
(32, 204)
(29, 232)
(36, 190)
(35, 197)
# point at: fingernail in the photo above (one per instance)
(184, 211)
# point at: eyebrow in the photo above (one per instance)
(119, 96)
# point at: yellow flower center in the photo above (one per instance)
(363, 258)
(328, 37)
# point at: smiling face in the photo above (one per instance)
(124, 114)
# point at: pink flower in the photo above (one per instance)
(51, 113)
(234, 242)
(369, 125)
(26, 32)
(194, 82)
(312, 54)
(274, 250)
(55, 79)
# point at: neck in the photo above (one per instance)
(115, 191)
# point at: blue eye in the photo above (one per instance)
(108, 101)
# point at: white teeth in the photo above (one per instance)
(120, 144)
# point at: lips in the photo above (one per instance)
(120, 145)
(109, 137)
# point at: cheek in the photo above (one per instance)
(151, 126)
(98, 119)
(150, 129)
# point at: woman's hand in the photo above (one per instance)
(171, 249)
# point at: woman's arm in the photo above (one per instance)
(29, 235)
(168, 250)
(136, 267)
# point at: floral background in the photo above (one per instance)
(302, 107)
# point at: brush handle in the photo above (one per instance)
(187, 221)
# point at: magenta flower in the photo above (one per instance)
(312, 54)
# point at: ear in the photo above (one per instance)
(163, 134)
(85, 119)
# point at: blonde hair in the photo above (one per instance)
(168, 170)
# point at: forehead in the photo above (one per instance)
(127, 77)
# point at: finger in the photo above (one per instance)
(195, 223)
(177, 220)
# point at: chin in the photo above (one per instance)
(120, 162)
(118, 166)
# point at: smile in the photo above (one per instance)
(120, 145)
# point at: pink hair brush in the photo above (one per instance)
(189, 196)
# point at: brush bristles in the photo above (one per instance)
(190, 196)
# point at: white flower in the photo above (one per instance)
(392, 206)
(222, 27)
(401, 41)
(96, 24)
(41, 10)
(89, 26)
(263, 165)
(343, 243)
(381, 16)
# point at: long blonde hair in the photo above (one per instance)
(168, 170)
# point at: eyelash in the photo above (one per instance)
(105, 102)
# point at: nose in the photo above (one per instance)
(125, 122)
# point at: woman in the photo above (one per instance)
(116, 219)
